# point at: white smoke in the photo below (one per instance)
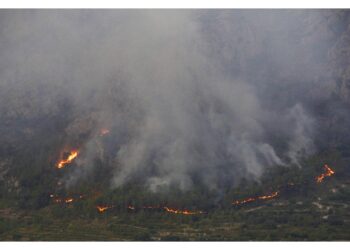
(189, 96)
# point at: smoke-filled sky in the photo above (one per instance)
(200, 96)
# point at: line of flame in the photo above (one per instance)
(251, 199)
(169, 210)
(102, 209)
(328, 172)
(73, 154)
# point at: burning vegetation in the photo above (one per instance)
(174, 210)
(184, 212)
(67, 200)
(102, 209)
(328, 172)
(251, 199)
(72, 155)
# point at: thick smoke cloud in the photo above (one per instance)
(190, 97)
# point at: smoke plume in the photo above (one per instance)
(190, 97)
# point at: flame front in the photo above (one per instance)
(169, 210)
(61, 200)
(239, 202)
(73, 154)
(102, 209)
(178, 211)
(267, 197)
(328, 172)
(251, 199)
(57, 199)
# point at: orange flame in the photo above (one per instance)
(329, 172)
(68, 200)
(169, 210)
(60, 200)
(185, 212)
(251, 199)
(73, 154)
(102, 209)
(239, 202)
(267, 197)
(57, 199)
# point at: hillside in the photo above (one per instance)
(175, 125)
(303, 210)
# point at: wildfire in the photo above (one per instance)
(169, 210)
(61, 200)
(102, 209)
(328, 172)
(185, 212)
(267, 197)
(244, 201)
(73, 154)
(67, 200)
(251, 199)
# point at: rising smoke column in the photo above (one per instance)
(189, 97)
